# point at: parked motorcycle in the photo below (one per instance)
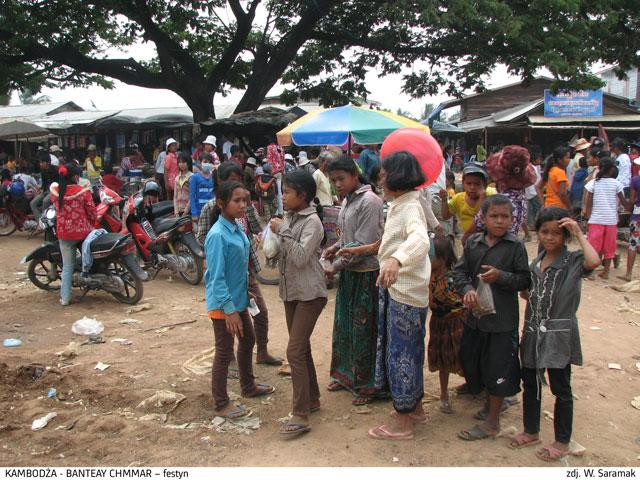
(15, 215)
(115, 268)
(163, 241)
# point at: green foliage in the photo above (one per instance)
(317, 49)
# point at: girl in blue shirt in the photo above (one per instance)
(200, 188)
(227, 298)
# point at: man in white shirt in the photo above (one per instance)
(226, 148)
(619, 149)
(323, 185)
(54, 151)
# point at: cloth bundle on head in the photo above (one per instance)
(511, 168)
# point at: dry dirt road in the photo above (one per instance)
(101, 406)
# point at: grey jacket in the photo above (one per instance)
(550, 337)
(302, 276)
(361, 221)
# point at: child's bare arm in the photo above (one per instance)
(591, 257)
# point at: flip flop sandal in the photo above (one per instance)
(298, 429)
(551, 454)
(359, 401)
(260, 390)
(335, 387)
(462, 389)
(445, 407)
(483, 413)
(380, 433)
(233, 374)
(314, 409)
(475, 433)
(237, 412)
(414, 418)
(273, 361)
(522, 440)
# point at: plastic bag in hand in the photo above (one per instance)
(484, 305)
(270, 242)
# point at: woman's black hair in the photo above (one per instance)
(443, 248)
(5, 174)
(303, 183)
(451, 177)
(606, 168)
(43, 156)
(206, 156)
(583, 162)
(67, 173)
(552, 214)
(226, 189)
(552, 160)
(496, 201)
(403, 172)
(226, 169)
(186, 158)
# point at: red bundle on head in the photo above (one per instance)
(62, 170)
(511, 168)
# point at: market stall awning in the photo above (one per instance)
(334, 125)
(21, 130)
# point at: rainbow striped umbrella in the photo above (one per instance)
(333, 126)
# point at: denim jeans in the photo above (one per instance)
(68, 249)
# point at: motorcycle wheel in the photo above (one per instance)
(270, 274)
(7, 227)
(132, 284)
(38, 272)
(193, 276)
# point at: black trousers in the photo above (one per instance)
(560, 383)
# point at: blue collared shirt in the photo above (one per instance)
(226, 279)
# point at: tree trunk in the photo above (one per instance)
(199, 100)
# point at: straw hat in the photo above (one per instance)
(91, 147)
(252, 161)
(581, 144)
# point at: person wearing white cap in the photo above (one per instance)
(250, 175)
(209, 145)
(55, 151)
(304, 163)
(93, 162)
(171, 169)
(226, 147)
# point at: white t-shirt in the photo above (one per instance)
(624, 169)
(226, 148)
(28, 180)
(531, 192)
(54, 160)
(605, 200)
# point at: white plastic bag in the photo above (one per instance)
(484, 305)
(87, 326)
(270, 242)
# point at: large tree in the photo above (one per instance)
(317, 48)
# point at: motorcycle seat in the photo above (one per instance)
(106, 241)
(164, 224)
(161, 209)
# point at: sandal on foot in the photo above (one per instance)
(475, 433)
(551, 454)
(483, 413)
(334, 386)
(445, 406)
(359, 401)
(416, 419)
(237, 412)
(270, 360)
(381, 433)
(292, 430)
(523, 440)
(233, 374)
(463, 389)
(260, 390)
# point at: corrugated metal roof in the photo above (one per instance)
(32, 111)
(64, 120)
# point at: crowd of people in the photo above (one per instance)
(402, 251)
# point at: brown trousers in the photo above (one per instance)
(224, 356)
(301, 320)
(260, 321)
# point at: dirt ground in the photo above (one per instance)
(106, 430)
